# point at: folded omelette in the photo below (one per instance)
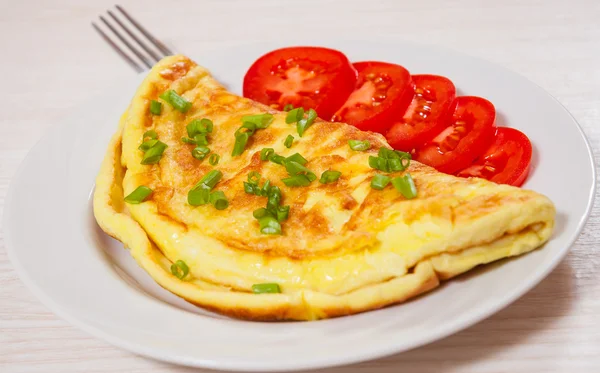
(345, 246)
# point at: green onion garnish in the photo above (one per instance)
(276, 158)
(359, 145)
(154, 154)
(254, 178)
(304, 123)
(379, 181)
(265, 288)
(155, 107)
(240, 144)
(296, 181)
(266, 153)
(188, 140)
(151, 134)
(390, 160)
(214, 159)
(260, 120)
(405, 185)
(200, 152)
(295, 168)
(330, 176)
(179, 269)
(296, 157)
(199, 126)
(199, 195)
(283, 213)
(289, 140)
(147, 145)
(218, 199)
(139, 195)
(200, 139)
(247, 127)
(273, 197)
(211, 179)
(288, 107)
(294, 115)
(178, 102)
(269, 225)
(260, 213)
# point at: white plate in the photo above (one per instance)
(90, 280)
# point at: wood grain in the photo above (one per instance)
(52, 60)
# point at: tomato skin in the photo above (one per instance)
(427, 114)
(383, 90)
(309, 77)
(468, 134)
(506, 161)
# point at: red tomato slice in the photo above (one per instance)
(506, 161)
(427, 114)
(308, 77)
(470, 131)
(382, 91)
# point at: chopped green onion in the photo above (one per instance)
(276, 158)
(151, 134)
(266, 153)
(254, 178)
(288, 107)
(240, 144)
(273, 197)
(139, 195)
(211, 179)
(200, 152)
(359, 145)
(405, 185)
(199, 126)
(179, 269)
(214, 159)
(155, 107)
(289, 140)
(179, 103)
(283, 213)
(269, 225)
(260, 213)
(303, 124)
(218, 199)
(200, 139)
(294, 115)
(265, 288)
(260, 120)
(379, 181)
(147, 145)
(330, 176)
(154, 154)
(296, 181)
(296, 157)
(247, 127)
(188, 140)
(199, 195)
(295, 168)
(249, 188)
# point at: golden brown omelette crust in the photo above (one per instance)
(309, 232)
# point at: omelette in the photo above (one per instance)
(222, 202)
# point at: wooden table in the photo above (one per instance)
(52, 60)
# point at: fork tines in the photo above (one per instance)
(150, 57)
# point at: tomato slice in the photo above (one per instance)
(427, 114)
(506, 161)
(470, 131)
(308, 77)
(382, 91)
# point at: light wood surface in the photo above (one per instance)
(51, 60)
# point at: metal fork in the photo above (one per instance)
(147, 59)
